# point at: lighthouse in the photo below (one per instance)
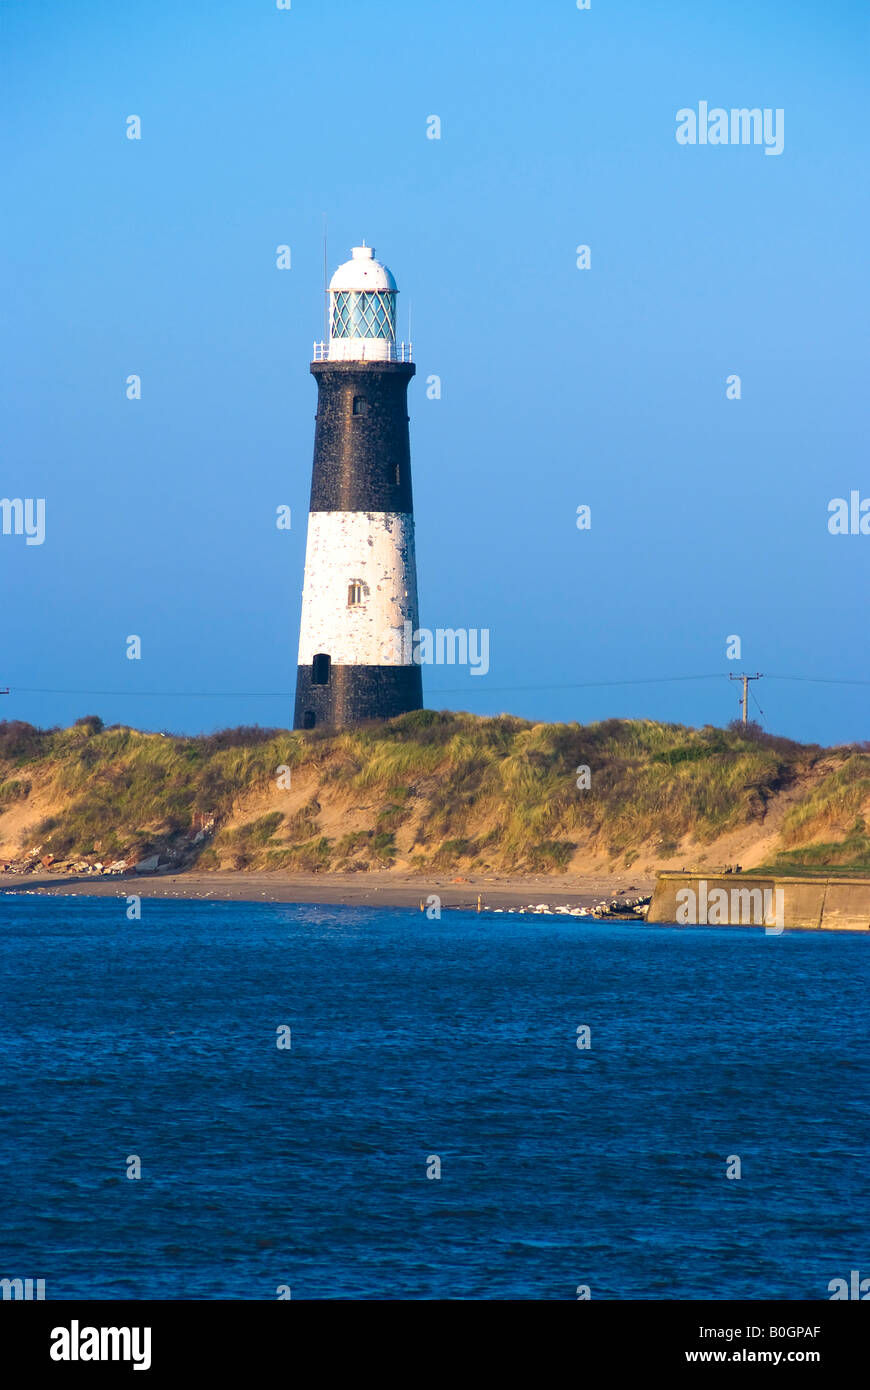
(360, 589)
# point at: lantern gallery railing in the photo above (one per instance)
(378, 350)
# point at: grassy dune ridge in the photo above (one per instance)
(433, 790)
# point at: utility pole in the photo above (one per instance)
(744, 702)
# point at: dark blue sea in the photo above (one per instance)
(411, 1040)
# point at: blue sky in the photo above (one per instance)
(560, 386)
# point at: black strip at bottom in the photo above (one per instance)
(354, 694)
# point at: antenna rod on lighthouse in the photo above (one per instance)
(325, 286)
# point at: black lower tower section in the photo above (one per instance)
(355, 694)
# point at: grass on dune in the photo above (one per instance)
(500, 792)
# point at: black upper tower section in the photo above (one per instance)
(362, 453)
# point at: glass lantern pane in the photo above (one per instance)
(364, 314)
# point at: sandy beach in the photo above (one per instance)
(361, 890)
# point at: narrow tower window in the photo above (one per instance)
(354, 593)
(309, 719)
(360, 405)
(320, 669)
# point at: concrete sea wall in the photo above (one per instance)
(831, 904)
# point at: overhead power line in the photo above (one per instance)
(483, 688)
(820, 680)
(286, 694)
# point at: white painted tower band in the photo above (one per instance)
(367, 557)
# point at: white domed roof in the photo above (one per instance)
(362, 273)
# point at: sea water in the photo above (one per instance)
(470, 1108)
